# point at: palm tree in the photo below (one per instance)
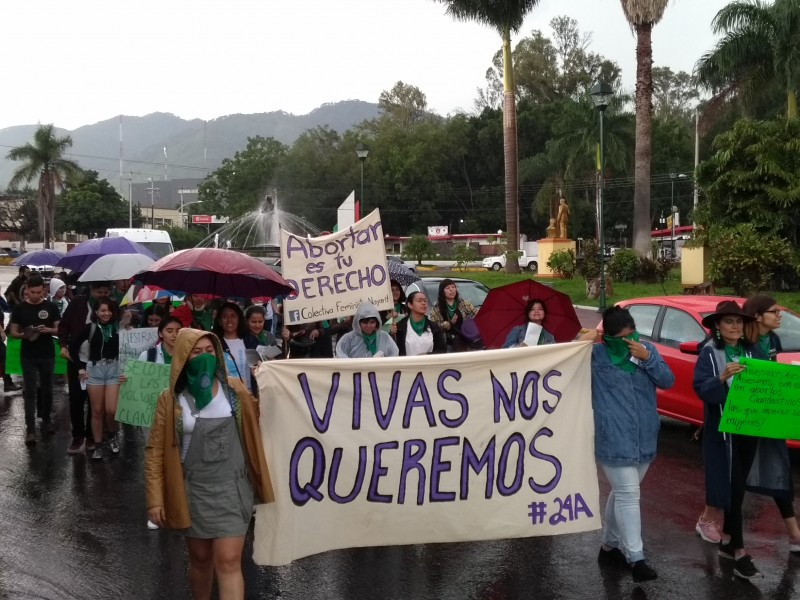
(506, 17)
(759, 50)
(643, 15)
(44, 159)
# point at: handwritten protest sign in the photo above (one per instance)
(138, 395)
(13, 365)
(408, 450)
(132, 342)
(764, 400)
(333, 274)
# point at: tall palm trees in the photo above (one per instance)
(760, 47)
(506, 17)
(643, 15)
(44, 158)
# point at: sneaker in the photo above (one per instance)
(611, 558)
(90, 445)
(151, 525)
(744, 568)
(642, 572)
(11, 387)
(30, 439)
(708, 530)
(76, 446)
(97, 454)
(113, 443)
(725, 551)
(794, 546)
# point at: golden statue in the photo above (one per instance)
(563, 218)
(551, 229)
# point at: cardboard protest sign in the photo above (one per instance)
(138, 395)
(333, 274)
(764, 400)
(410, 450)
(13, 365)
(132, 342)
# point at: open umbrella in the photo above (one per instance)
(38, 258)
(224, 273)
(84, 254)
(116, 266)
(504, 309)
(401, 274)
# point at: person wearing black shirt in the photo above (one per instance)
(13, 295)
(35, 321)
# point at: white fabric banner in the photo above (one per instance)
(334, 274)
(411, 450)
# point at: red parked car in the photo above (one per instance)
(672, 322)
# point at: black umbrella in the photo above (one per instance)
(401, 274)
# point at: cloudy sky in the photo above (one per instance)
(78, 62)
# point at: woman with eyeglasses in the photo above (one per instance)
(771, 453)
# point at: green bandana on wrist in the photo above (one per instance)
(200, 373)
(618, 352)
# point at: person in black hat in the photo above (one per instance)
(727, 457)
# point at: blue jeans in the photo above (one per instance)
(623, 526)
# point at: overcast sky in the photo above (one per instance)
(77, 62)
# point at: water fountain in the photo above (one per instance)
(257, 233)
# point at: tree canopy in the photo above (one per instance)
(90, 205)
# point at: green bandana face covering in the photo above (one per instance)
(200, 372)
(618, 351)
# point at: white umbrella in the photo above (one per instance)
(116, 266)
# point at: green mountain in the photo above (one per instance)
(193, 147)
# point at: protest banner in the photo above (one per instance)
(138, 395)
(132, 342)
(411, 450)
(13, 365)
(764, 401)
(333, 274)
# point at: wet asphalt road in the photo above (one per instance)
(74, 528)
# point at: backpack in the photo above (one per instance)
(152, 354)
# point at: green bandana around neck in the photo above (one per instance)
(167, 357)
(108, 330)
(203, 318)
(418, 326)
(371, 341)
(732, 352)
(262, 339)
(618, 351)
(451, 310)
(200, 372)
(765, 343)
(400, 308)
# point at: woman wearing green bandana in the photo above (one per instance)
(773, 454)
(204, 463)
(449, 313)
(101, 372)
(367, 339)
(417, 335)
(625, 375)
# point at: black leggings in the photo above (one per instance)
(743, 451)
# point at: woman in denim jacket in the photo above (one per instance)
(625, 375)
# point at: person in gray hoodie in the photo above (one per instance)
(367, 339)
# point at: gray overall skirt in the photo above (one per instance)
(217, 486)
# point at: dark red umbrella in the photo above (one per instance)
(504, 308)
(223, 273)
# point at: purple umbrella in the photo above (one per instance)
(38, 258)
(84, 254)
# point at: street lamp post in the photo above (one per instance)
(673, 209)
(362, 151)
(152, 191)
(601, 96)
(181, 192)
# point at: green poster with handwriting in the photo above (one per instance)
(764, 400)
(138, 395)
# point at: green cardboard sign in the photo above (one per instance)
(764, 401)
(13, 365)
(138, 395)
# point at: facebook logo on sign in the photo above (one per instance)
(294, 315)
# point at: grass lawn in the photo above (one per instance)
(576, 288)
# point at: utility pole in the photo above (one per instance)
(152, 191)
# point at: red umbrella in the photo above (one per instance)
(224, 273)
(504, 308)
